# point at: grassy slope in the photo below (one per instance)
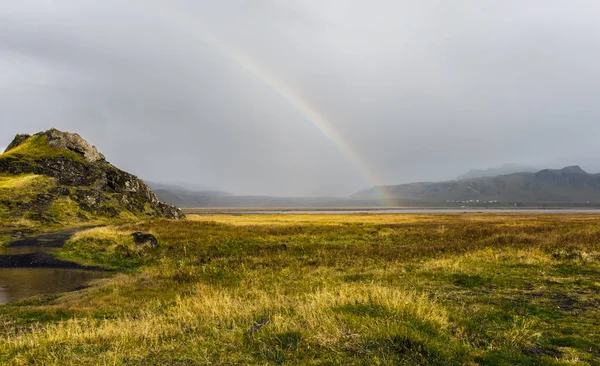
(20, 190)
(63, 212)
(24, 189)
(36, 147)
(326, 289)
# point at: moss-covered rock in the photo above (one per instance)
(59, 177)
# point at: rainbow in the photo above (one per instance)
(311, 115)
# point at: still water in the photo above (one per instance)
(24, 281)
(20, 283)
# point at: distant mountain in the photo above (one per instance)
(274, 202)
(183, 196)
(192, 187)
(332, 190)
(494, 172)
(187, 188)
(568, 185)
(179, 196)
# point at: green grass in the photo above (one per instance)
(27, 203)
(64, 209)
(30, 202)
(325, 290)
(23, 187)
(36, 147)
(5, 240)
(18, 191)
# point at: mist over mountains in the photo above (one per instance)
(186, 194)
(571, 185)
(494, 172)
(332, 190)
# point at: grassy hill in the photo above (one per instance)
(56, 179)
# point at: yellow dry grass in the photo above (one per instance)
(110, 233)
(497, 219)
(318, 219)
(325, 289)
(20, 181)
(208, 311)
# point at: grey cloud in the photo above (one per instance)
(419, 90)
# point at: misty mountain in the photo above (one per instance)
(568, 185)
(185, 196)
(332, 190)
(186, 199)
(182, 195)
(188, 188)
(276, 202)
(185, 190)
(494, 172)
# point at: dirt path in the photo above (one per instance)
(51, 240)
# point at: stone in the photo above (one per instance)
(144, 240)
(72, 141)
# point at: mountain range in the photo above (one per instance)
(549, 186)
(568, 186)
(180, 196)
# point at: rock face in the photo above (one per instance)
(83, 175)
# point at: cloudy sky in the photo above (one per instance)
(225, 93)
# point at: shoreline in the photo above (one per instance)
(507, 209)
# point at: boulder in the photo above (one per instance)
(144, 240)
(72, 141)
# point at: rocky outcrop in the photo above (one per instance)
(73, 142)
(92, 182)
(63, 140)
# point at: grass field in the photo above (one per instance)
(490, 289)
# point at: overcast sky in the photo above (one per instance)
(417, 90)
